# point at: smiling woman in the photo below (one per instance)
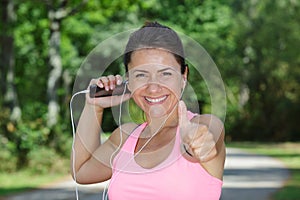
(146, 161)
(155, 81)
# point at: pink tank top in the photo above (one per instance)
(174, 179)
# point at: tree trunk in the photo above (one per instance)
(56, 15)
(8, 61)
(55, 65)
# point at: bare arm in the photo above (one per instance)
(90, 161)
(87, 139)
(203, 137)
(215, 165)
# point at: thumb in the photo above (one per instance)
(187, 129)
(182, 114)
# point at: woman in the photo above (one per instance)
(175, 154)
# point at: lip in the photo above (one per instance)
(156, 100)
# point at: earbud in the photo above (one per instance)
(184, 84)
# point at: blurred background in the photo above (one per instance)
(255, 45)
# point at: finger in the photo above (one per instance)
(104, 83)
(200, 139)
(197, 135)
(112, 81)
(207, 152)
(184, 123)
(204, 147)
(93, 81)
(119, 79)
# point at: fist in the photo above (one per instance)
(197, 139)
(107, 83)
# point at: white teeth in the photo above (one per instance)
(155, 100)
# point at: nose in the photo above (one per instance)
(153, 85)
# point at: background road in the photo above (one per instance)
(247, 176)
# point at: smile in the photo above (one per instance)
(156, 100)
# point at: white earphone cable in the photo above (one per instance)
(139, 151)
(105, 196)
(73, 142)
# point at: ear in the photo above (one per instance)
(185, 76)
(127, 85)
(183, 84)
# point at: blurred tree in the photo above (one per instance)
(57, 10)
(207, 22)
(43, 45)
(7, 64)
(268, 49)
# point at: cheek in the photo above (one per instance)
(176, 90)
(137, 98)
(178, 95)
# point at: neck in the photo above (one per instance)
(156, 125)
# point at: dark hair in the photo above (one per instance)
(155, 35)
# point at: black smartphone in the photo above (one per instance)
(96, 91)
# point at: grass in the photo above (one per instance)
(289, 154)
(24, 180)
(46, 167)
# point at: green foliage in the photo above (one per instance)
(136, 113)
(253, 43)
(44, 160)
(8, 160)
(269, 37)
(29, 144)
(24, 180)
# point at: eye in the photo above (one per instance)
(167, 74)
(140, 75)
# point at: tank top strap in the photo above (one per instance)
(191, 115)
(131, 141)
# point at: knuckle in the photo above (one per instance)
(204, 128)
(198, 153)
(93, 81)
(193, 144)
(111, 77)
(210, 136)
(118, 76)
(205, 152)
(103, 79)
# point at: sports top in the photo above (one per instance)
(173, 179)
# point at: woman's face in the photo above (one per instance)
(155, 81)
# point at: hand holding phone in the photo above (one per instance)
(96, 91)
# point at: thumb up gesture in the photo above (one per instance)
(199, 139)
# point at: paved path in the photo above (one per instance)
(251, 177)
(247, 177)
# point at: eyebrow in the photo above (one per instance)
(139, 70)
(161, 70)
(165, 69)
